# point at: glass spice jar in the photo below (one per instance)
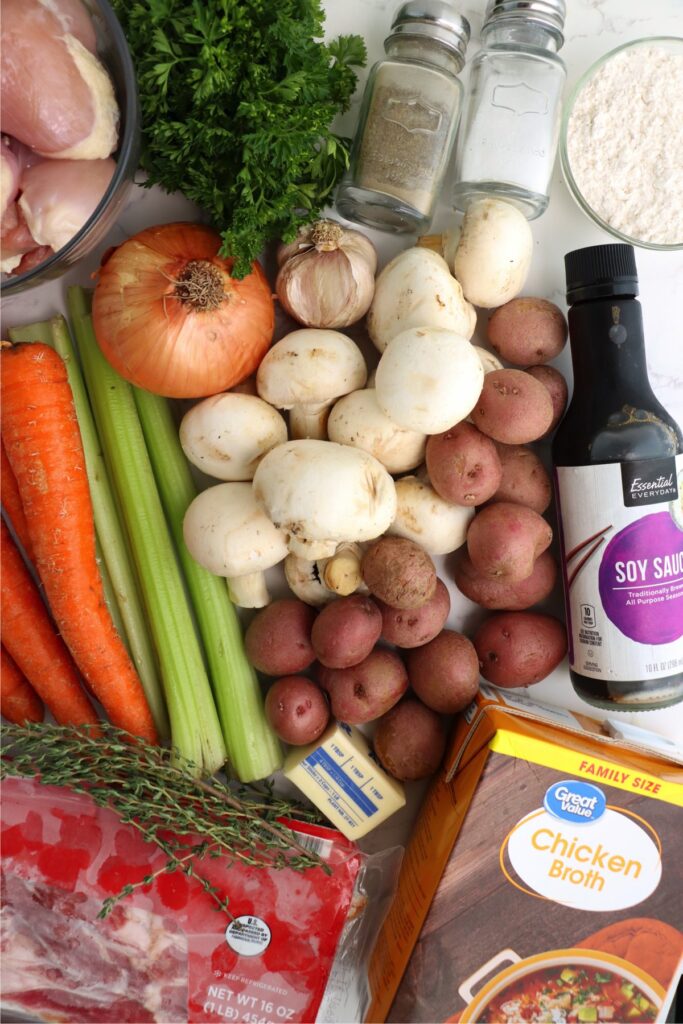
(510, 129)
(408, 120)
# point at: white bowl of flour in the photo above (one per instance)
(622, 142)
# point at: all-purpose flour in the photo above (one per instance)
(625, 144)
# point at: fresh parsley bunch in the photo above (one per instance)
(237, 98)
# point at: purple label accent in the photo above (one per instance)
(641, 580)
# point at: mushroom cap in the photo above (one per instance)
(428, 379)
(310, 366)
(417, 289)
(228, 532)
(489, 360)
(227, 435)
(422, 516)
(324, 492)
(357, 420)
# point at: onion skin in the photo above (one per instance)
(161, 342)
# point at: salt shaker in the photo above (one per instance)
(510, 129)
(408, 120)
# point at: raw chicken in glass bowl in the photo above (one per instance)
(70, 127)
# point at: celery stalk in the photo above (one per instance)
(116, 569)
(254, 751)
(195, 729)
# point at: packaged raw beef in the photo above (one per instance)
(164, 953)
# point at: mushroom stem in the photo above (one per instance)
(341, 573)
(309, 421)
(249, 591)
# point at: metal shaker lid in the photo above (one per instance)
(550, 13)
(434, 19)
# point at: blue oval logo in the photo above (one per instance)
(575, 801)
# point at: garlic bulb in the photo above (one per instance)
(327, 275)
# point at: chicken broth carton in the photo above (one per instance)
(543, 881)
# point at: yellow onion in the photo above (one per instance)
(169, 317)
(327, 275)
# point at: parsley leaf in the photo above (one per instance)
(237, 97)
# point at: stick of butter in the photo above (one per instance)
(339, 774)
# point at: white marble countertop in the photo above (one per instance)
(593, 28)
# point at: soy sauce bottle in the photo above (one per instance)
(618, 458)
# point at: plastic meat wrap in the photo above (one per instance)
(164, 953)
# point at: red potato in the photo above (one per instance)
(410, 741)
(397, 571)
(366, 691)
(411, 627)
(553, 380)
(501, 594)
(346, 630)
(519, 648)
(513, 407)
(278, 638)
(463, 465)
(297, 710)
(524, 479)
(445, 672)
(504, 540)
(527, 330)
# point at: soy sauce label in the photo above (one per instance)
(649, 481)
(622, 560)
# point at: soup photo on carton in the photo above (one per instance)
(542, 883)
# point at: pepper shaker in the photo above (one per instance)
(408, 120)
(510, 129)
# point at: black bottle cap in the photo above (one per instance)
(600, 271)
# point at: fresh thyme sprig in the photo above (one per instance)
(148, 789)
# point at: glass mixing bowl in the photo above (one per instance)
(672, 44)
(115, 55)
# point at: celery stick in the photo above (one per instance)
(195, 729)
(116, 569)
(253, 749)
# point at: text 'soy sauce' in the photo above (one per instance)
(618, 458)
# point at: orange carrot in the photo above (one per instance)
(19, 703)
(43, 445)
(12, 503)
(31, 640)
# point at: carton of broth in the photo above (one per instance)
(543, 879)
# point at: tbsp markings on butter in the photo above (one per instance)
(340, 775)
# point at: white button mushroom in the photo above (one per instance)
(488, 360)
(417, 289)
(357, 420)
(320, 581)
(494, 252)
(428, 379)
(305, 372)
(305, 580)
(323, 494)
(227, 532)
(422, 516)
(227, 435)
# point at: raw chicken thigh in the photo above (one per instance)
(57, 97)
(9, 176)
(15, 239)
(58, 196)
